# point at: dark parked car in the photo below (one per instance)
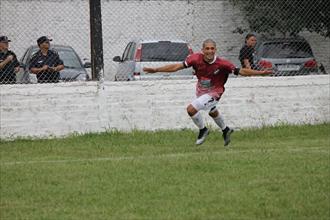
(152, 53)
(74, 69)
(286, 56)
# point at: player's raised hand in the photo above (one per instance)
(149, 70)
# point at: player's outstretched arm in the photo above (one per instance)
(166, 68)
(251, 72)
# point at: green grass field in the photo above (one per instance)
(270, 173)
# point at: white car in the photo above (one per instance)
(152, 53)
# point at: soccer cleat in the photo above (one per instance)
(226, 135)
(202, 135)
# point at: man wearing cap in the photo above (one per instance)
(9, 64)
(46, 63)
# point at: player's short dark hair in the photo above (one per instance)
(209, 41)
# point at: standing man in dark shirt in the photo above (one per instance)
(46, 63)
(9, 64)
(246, 54)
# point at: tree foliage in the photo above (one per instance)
(288, 17)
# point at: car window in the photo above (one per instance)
(125, 54)
(286, 50)
(164, 51)
(33, 51)
(30, 54)
(69, 58)
(25, 57)
(131, 51)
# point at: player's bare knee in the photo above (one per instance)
(191, 110)
(214, 112)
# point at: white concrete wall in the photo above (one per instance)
(42, 110)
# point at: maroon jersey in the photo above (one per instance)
(211, 76)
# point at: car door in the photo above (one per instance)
(126, 66)
(23, 75)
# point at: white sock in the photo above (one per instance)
(220, 122)
(198, 120)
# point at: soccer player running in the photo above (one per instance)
(212, 73)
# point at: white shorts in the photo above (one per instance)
(204, 102)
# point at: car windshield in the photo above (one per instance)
(164, 51)
(286, 50)
(69, 58)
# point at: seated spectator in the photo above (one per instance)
(46, 63)
(9, 64)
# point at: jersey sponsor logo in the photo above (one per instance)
(216, 72)
(205, 83)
